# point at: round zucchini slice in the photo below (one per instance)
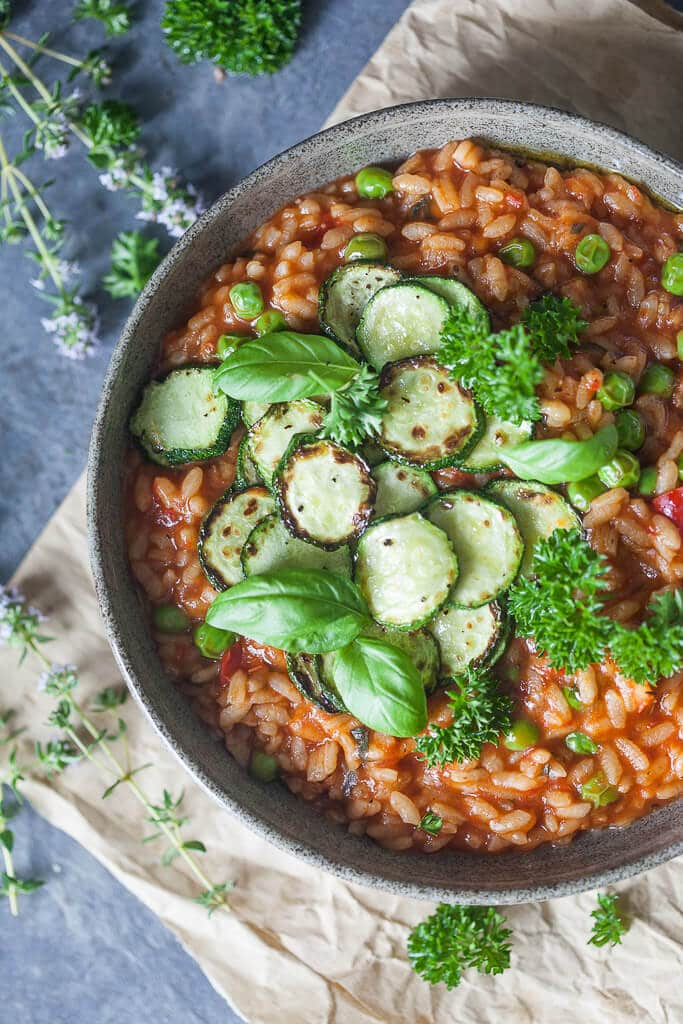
(486, 540)
(304, 671)
(180, 419)
(539, 511)
(326, 493)
(271, 436)
(458, 294)
(225, 531)
(498, 435)
(468, 637)
(400, 321)
(247, 474)
(345, 294)
(401, 489)
(405, 567)
(270, 546)
(253, 411)
(430, 420)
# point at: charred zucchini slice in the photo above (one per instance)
(498, 436)
(430, 420)
(539, 511)
(270, 546)
(405, 567)
(271, 436)
(468, 637)
(326, 493)
(304, 671)
(486, 540)
(247, 474)
(253, 411)
(225, 531)
(400, 321)
(180, 419)
(401, 489)
(344, 296)
(458, 294)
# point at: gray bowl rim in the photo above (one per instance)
(337, 866)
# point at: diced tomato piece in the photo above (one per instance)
(257, 655)
(514, 199)
(230, 662)
(670, 504)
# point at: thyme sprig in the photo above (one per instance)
(83, 738)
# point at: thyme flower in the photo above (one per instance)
(73, 325)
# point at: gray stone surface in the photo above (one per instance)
(82, 940)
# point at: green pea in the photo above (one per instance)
(621, 471)
(521, 734)
(366, 247)
(229, 343)
(630, 430)
(572, 698)
(519, 252)
(168, 618)
(579, 743)
(617, 390)
(672, 274)
(599, 792)
(658, 379)
(263, 766)
(679, 344)
(270, 322)
(247, 299)
(647, 482)
(374, 183)
(212, 642)
(582, 492)
(592, 254)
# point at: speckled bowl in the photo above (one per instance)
(591, 860)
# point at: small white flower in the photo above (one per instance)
(55, 676)
(73, 328)
(38, 284)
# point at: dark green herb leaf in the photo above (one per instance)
(7, 839)
(114, 14)
(610, 924)
(380, 686)
(558, 462)
(455, 938)
(431, 823)
(298, 611)
(554, 325)
(356, 410)
(134, 259)
(284, 366)
(654, 650)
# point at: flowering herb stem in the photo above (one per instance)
(47, 51)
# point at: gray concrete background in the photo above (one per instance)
(85, 949)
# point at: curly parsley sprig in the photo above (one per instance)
(480, 714)
(134, 259)
(553, 324)
(454, 938)
(609, 923)
(355, 410)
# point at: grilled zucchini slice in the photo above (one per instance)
(405, 567)
(430, 419)
(271, 436)
(180, 419)
(270, 546)
(253, 411)
(469, 637)
(225, 531)
(304, 671)
(458, 294)
(400, 321)
(246, 470)
(326, 493)
(401, 489)
(498, 436)
(345, 294)
(539, 511)
(486, 541)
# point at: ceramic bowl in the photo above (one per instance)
(592, 859)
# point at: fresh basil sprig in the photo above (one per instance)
(283, 366)
(557, 461)
(380, 686)
(298, 611)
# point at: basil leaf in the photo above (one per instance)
(293, 609)
(559, 462)
(380, 686)
(283, 366)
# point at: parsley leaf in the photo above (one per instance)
(553, 325)
(559, 603)
(431, 823)
(134, 258)
(252, 37)
(114, 15)
(480, 713)
(110, 126)
(610, 925)
(355, 410)
(654, 650)
(454, 938)
(500, 369)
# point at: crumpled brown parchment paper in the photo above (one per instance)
(300, 945)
